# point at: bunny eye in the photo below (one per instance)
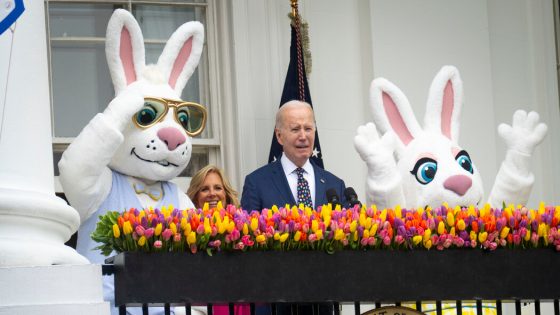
(183, 117)
(425, 170)
(464, 161)
(150, 112)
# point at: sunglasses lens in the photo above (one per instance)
(150, 112)
(191, 118)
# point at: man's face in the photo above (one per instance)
(296, 133)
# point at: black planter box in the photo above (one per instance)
(345, 276)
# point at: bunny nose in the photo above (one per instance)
(458, 184)
(172, 137)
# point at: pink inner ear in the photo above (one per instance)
(447, 110)
(180, 62)
(396, 120)
(127, 56)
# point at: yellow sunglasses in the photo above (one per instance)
(191, 116)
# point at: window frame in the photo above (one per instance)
(208, 78)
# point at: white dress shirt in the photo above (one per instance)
(291, 175)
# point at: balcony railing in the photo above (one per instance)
(374, 276)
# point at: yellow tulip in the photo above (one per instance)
(158, 229)
(297, 236)
(366, 234)
(260, 238)
(231, 226)
(327, 221)
(527, 236)
(398, 212)
(472, 236)
(541, 231)
(416, 239)
(373, 229)
(353, 226)
(116, 231)
(428, 244)
(254, 224)
(314, 226)
(127, 228)
(284, 237)
(205, 207)
(219, 206)
(276, 236)
(207, 227)
(319, 234)
(142, 241)
(191, 238)
(452, 231)
(184, 223)
(383, 215)
(441, 228)
(173, 228)
(461, 225)
(504, 233)
(450, 219)
(245, 229)
(427, 234)
(355, 236)
(482, 236)
(338, 235)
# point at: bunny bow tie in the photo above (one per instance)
(153, 191)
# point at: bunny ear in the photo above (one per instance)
(444, 103)
(182, 54)
(124, 48)
(392, 111)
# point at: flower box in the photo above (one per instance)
(344, 276)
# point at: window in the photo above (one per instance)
(80, 82)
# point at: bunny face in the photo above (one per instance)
(435, 170)
(433, 167)
(161, 149)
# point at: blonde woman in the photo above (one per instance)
(210, 185)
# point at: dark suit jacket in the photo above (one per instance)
(268, 186)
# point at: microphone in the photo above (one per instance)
(351, 197)
(332, 197)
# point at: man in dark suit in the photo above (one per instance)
(277, 182)
(293, 179)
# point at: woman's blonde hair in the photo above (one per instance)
(198, 178)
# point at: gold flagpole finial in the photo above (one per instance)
(294, 7)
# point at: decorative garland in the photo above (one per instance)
(327, 229)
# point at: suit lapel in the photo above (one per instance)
(281, 183)
(320, 183)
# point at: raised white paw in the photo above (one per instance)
(525, 132)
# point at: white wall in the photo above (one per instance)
(503, 49)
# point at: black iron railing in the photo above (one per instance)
(376, 277)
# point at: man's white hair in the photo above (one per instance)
(289, 105)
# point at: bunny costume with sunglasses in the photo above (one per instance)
(126, 156)
(415, 167)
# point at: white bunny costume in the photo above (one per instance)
(114, 158)
(415, 167)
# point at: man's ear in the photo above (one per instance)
(277, 133)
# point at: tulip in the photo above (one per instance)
(116, 231)
(158, 229)
(261, 239)
(127, 228)
(158, 244)
(142, 241)
(284, 237)
(191, 238)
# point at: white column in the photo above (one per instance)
(34, 223)
(39, 273)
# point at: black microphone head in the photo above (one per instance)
(351, 196)
(332, 196)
